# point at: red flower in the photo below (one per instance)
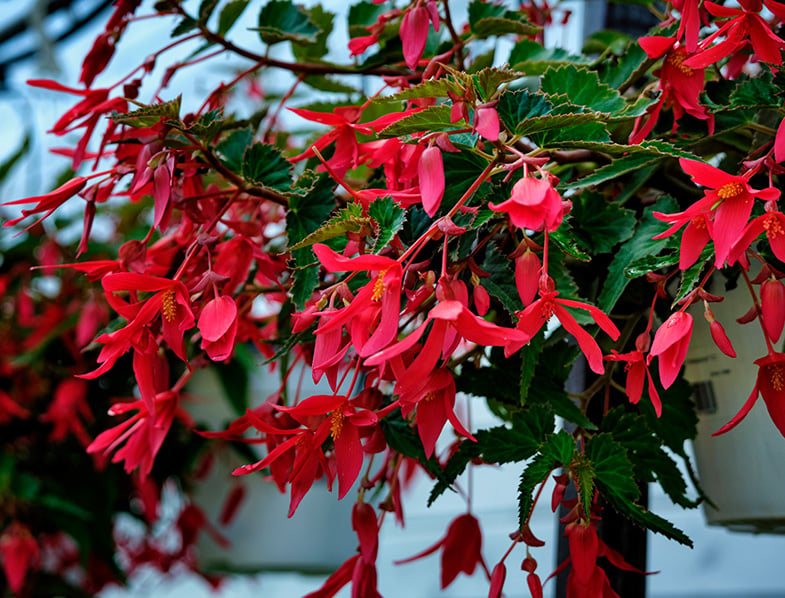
(772, 222)
(534, 317)
(431, 174)
(637, 372)
(728, 202)
(534, 204)
(19, 551)
(461, 549)
(218, 325)
(376, 305)
(670, 344)
(770, 384)
(48, 202)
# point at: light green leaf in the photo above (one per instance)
(432, 118)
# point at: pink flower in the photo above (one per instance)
(670, 344)
(431, 174)
(638, 372)
(770, 384)
(534, 205)
(414, 34)
(461, 549)
(218, 325)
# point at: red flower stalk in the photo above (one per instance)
(461, 549)
(770, 384)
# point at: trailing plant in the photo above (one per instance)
(426, 219)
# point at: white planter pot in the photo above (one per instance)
(742, 471)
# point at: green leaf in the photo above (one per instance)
(490, 79)
(362, 15)
(548, 385)
(556, 451)
(678, 422)
(644, 518)
(206, 126)
(691, 276)
(582, 473)
(184, 26)
(639, 245)
(606, 40)
(455, 466)
(520, 441)
(599, 223)
(264, 165)
(583, 87)
(304, 282)
(229, 15)
(487, 19)
(565, 239)
(615, 169)
(497, 381)
(568, 124)
(324, 83)
(233, 148)
(432, 118)
(756, 92)
(59, 504)
(501, 282)
(622, 69)
(402, 438)
(347, 220)
(206, 8)
(430, 88)
(611, 466)
(463, 168)
(530, 355)
(515, 107)
(148, 116)
(323, 20)
(593, 132)
(652, 263)
(282, 20)
(389, 218)
(533, 59)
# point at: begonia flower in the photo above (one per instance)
(670, 344)
(218, 325)
(534, 205)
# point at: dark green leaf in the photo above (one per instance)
(530, 355)
(515, 107)
(229, 15)
(606, 40)
(323, 20)
(147, 116)
(615, 169)
(582, 86)
(362, 15)
(389, 218)
(501, 282)
(264, 165)
(557, 451)
(232, 149)
(430, 88)
(592, 132)
(323, 83)
(611, 466)
(520, 441)
(639, 245)
(455, 466)
(184, 26)
(282, 20)
(206, 8)
(642, 517)
(548, 122)
(347, 220)
(757, 92)
(533, 59)
(433, 118)
(651, 263)
(599, 223)
(565, 239)
(691, 276)
(582, 474)
(490, 79)
(487, 19)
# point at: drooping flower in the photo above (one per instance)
(637, 372)
(536, 315)
(670, 344)
(18, 552)
(218, 325)
(431, 174)
(770, 384)
(534, 205)
(727, 204)
(461, 549)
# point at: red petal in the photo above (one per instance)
(414, 35)
(431, 173)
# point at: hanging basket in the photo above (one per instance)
(743, 471)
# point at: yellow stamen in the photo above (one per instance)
(676, 58)
(168, 305)
(378, 287)
(772, 226)
(336, 423)
(776, 376)
(730, 190)
(429, 396)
